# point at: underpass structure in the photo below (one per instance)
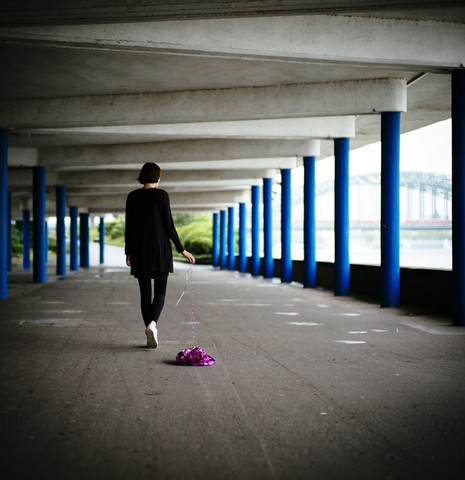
(225, 98)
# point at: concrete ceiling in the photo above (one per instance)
(204, 86)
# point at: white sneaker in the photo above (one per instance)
(152, 335)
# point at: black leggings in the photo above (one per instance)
(151, 309)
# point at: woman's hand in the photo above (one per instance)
(128, 260)
(188, 255)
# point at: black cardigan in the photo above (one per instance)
(149, 228)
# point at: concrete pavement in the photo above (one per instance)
(306, 385)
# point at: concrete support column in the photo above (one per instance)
(215, 249)
(3, 212)
(390, 186)
(242, 238)
(458, 195)
(26, 239)
(341, 217)
(268, 262)
(60, 197)
(84, 240)
(309, 223)
(73, 239)
(223, 239)
(286, 236)
(255, 230)
(102, 240)
(231, 240)
(9, 254)
(39, 271)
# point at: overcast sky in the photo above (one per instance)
(427, 150)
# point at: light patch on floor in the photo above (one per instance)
(350, 342)
(286, 313)
(436, 329)
(58, 322)
(348, 314)
(116, 270)
(321, 305)
(253, 304)
(309, 324)
(62, 311)
(378, 331)
(361, 331)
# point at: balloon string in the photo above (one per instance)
(192, 303)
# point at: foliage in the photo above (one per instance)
(182, 219)
(196, 236)
(17, 239)
(195, 232)
(115, 229)
(433, 234)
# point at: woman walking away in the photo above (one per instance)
(149, 228)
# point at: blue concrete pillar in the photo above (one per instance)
(458, 195)
(390, 193)
(215, 249)
(84, 240)
(26, 239)
(73, 239)
(309, 223)
(39, 271)
(231, 240)
(60, 197)
(3, 212)
(102, 241)
(341, 217)
(242, 238)
(223, 239)
(268, 262)
(46, 248)
(9, 257)
(255, 230)
(286, 225)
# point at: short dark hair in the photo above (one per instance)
(149, 173)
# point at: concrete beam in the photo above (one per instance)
(111, 179)
(288, 128)
(22, 157)
(322, 39)
(174, 208)
(22, 203)
(16, 158)
(197, 199)
(57, 12)
(194, 189)
(178, 151)
(238, 163)
(246, 103)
